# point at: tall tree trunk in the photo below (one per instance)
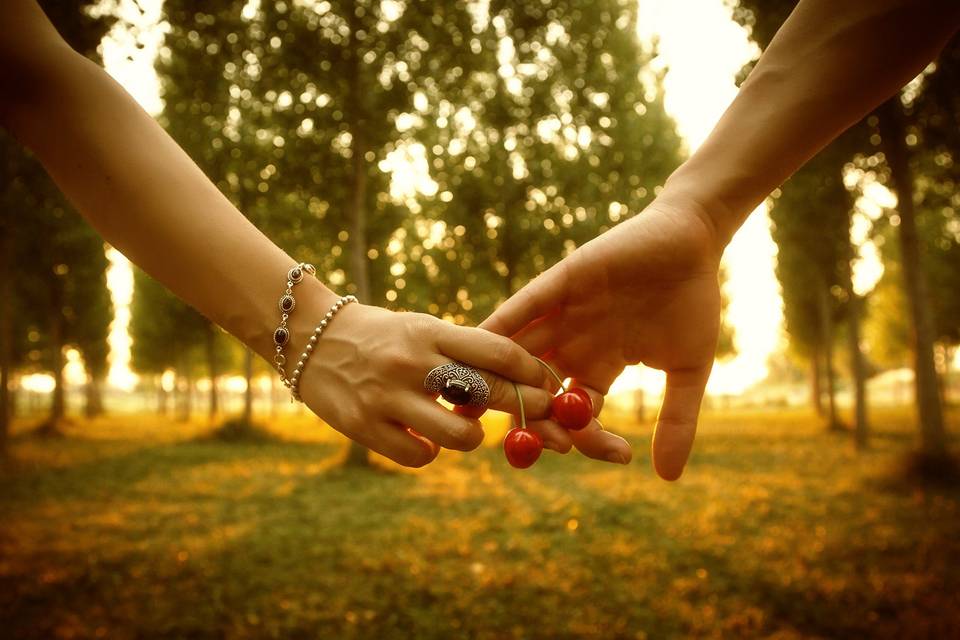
(248, 392)
(13, 399)
(212, 370)
(359, 244)
(932, 431)
(640, 405)
(182, 387)
(6, 332)
(947, 396)
(940, 354)
(93, 396)
(508, 247)
(58, 403)
(826, 333)
(58, 406)
(188, 397)
(6, 414)
(162, 397)
(858, 370)
(359, 269)
(816, 388)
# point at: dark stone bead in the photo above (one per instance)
(287, 303)
(281, 336)
(456, 392)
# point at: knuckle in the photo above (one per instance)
(507, 352)
(418, 325)
(498, 390)
(398, 360)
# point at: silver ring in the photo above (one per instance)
(458, 384)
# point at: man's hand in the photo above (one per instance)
(646, 291)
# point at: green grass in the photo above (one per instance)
(140, 529)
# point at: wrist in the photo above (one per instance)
(684, 197)
(312, 299)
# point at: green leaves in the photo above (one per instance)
(448, 153)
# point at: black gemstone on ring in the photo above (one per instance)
(281, 336)
(287, 303)
(295, 275)
(457, 392)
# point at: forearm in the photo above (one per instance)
(133, 183)
(827, 67)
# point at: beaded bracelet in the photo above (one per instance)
(281, 336)
(308, 351)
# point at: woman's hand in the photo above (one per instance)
(365, 377)
(646, 291)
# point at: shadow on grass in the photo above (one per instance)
(115, 475)
(239, 430)
(919, 469)
(866, 591)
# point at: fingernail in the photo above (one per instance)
(553, 446)
(617, 457)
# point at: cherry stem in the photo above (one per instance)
(523, 417)
(553, 372)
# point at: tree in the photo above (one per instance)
(821, 241)
(892, 129)
(170, 335)
(809, 259)
(207, 69)
(336, 77)
(552, 138)
(928, 112)
(91, 314)
(28, 194)
(936, 113)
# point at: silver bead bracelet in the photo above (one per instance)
(294, 382)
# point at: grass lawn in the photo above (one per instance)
(132, 528)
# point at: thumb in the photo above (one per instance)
(540, 296)
(677, 422)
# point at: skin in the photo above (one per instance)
(145, 196)
(647, 291)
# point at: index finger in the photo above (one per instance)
(482, 349)
(536, 299)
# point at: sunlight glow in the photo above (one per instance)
(701, 50)
(869, 207)
(131, 46)
(120, 283)
(37, 383)
(73, 371)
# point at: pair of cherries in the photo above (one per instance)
(572, 408)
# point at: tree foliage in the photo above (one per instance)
(59, 295)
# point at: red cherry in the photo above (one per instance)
(522, 447)
(573, 409)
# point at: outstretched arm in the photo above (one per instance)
(148, 199)
(647, 290)
(828, 66)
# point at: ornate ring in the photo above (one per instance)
(458, 384)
